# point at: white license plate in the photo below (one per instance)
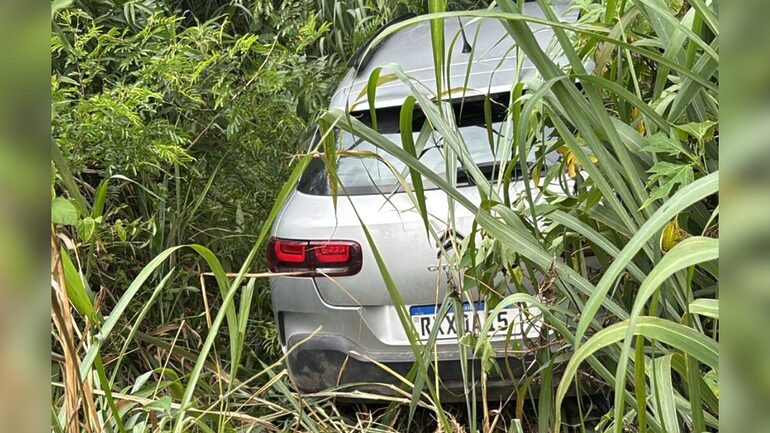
(424, 320)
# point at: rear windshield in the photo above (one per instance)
(372, 176)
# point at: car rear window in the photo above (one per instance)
(373, 176)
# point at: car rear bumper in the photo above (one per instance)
(320, 362)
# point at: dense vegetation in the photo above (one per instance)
(176, 123)
(190, 116)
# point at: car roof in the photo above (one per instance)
(491, 70)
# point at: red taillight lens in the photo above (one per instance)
(290, 251)
(314, 258)
(332, 253)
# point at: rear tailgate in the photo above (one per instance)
(399, 234)
(411, 256)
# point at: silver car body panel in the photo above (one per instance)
(491, 69)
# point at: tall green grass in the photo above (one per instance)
(640, 134)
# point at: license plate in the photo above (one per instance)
(424, 320)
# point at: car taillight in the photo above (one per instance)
(314, 258)
(290, 252)
(332, 253)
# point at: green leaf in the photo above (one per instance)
(128, 296)
(437, 40)
(371, 95)
(662, 143)
(668, 175)
(120, 230)
(76, 290)
(712, 380)
(562, 329)
(243, 321)
(663, 170)
(663, 391)
(330, 157)
(100, 198)
(381, 79)
(640, 385)
(701, 131)
(162, 404)
(593, 236)
(175, 384)
(104, 384)
(405, 123)
(63, 212)
(545, 400)
(85, 228)
(486, 355)
(695, 392)
(631, 98)
(708, 14)
(671, 235)
(705, 307)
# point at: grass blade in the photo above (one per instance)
(407, 140)
(664, 392)
(705, 307)
(76, 290)
(437, 41)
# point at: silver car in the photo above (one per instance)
(336, 317)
